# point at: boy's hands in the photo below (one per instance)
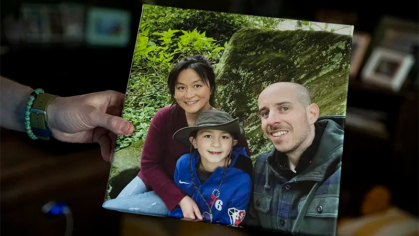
(189, 209)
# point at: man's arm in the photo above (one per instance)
(88, 118)
(14, 97)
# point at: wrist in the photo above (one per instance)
(51, 111)
(36, 124)
(183, 199)
(20, 111)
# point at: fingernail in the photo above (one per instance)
(125, 127)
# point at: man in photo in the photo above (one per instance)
(296, 184)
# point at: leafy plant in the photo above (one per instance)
(155, 55)
(166, 35)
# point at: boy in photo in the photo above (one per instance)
(216, 175)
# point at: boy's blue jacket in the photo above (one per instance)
(231, 206)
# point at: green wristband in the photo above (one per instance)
(39, 111)
(36, 117)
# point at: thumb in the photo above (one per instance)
(115, 124)
(197, 212)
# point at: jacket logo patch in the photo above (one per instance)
(236, 216)
(219, 205)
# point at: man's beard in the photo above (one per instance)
(298, 141)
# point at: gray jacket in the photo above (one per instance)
(308, 203)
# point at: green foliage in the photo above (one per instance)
(155, 55)
(165, 36)
(221, 26)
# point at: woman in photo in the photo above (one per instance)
(153, 191)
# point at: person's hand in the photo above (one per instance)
(189, 208)
(90, 118)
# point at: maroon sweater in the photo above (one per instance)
(161, 152)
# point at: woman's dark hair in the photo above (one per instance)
(201, 66)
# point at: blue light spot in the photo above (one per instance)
(55, 210)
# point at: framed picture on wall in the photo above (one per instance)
(395, 34)
(387, 68)
(37, 21)
(73, 22)
(108, 27)
(44, 23)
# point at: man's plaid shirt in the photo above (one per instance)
(308, 202)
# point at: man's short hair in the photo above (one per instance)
(304, 95)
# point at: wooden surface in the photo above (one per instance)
(134, 225)
(36, 172)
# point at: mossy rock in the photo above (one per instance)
(125, 166)
(256, 58)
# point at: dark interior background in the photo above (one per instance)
(33, 173)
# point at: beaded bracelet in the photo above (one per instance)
(28, 113)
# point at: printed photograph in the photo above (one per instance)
(239, 121)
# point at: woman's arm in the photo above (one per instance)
(152, 159)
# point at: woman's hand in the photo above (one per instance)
(189, 208)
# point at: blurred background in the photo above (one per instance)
(76, 47)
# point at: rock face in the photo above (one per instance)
(256, 58)
(125, 167)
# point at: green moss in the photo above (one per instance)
(256, 58)
(126, 164)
